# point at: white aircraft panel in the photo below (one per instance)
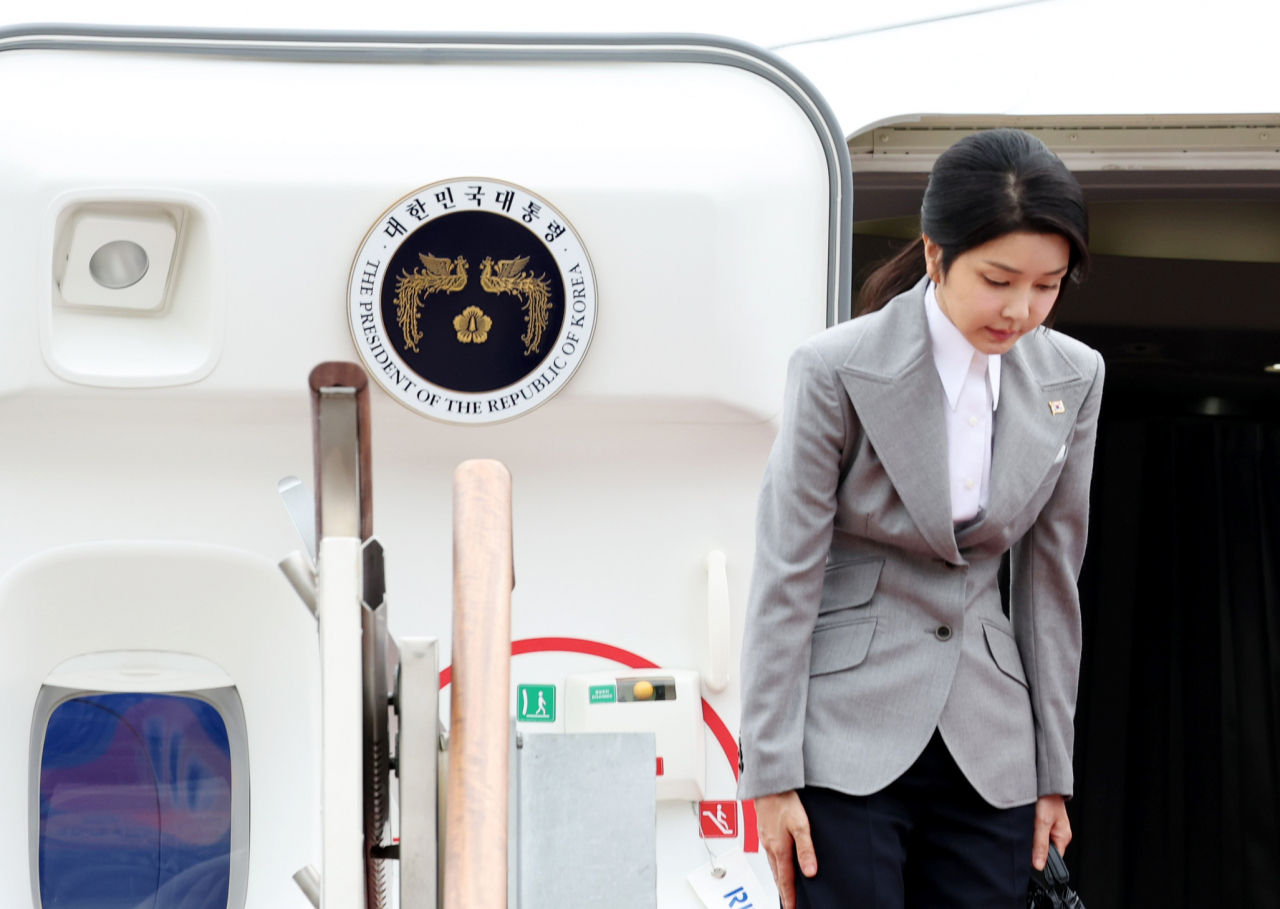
(680, 178)
(228, 613)
(703, 193)
(1058, 57)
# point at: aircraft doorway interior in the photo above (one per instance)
(1178, 726)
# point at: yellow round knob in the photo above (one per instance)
(643, 690)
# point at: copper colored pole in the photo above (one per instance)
(475, 873)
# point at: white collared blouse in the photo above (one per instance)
(971, 383)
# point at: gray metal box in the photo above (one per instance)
(586, 821)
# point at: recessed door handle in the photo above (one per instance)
(718, 621)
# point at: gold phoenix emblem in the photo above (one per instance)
(472, 325)
(437, 275)
(511, 278)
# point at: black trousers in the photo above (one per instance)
(926, 841)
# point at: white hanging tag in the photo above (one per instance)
(736, 888)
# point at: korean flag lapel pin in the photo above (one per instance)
(1057, 408)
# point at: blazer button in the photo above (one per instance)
(943, 632)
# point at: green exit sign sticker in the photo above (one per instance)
(602, 694)
(536, 703)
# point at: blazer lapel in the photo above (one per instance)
(1040, 396)
(893, 383)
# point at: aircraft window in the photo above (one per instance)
(135, 803)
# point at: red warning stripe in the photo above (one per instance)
(750, 837)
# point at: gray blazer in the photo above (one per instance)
(872, 621)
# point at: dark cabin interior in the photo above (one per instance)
(1177, 755)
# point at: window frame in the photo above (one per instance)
(226, 701)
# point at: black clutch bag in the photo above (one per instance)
(1048, 888)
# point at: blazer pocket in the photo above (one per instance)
(850, 584)
(1004, 650)
(842, 646)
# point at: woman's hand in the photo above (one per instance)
(1051, 824)
(784, 826)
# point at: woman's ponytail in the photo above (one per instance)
(896, 276)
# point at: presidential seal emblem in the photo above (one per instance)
(472, 301)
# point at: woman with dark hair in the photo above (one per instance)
(906, 742)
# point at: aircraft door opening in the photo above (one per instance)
(1176, 728)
